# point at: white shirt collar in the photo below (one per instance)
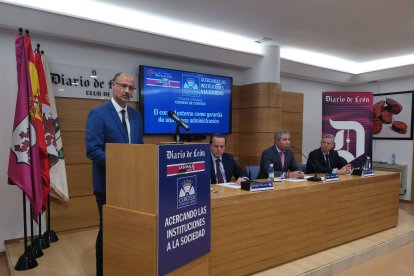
(278, 150)
(118, 108)
(215, 158)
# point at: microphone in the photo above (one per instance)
(173, 116)
(312, 178)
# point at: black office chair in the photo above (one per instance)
(252, 172)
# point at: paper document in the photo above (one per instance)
(230, 185)
(278, 179)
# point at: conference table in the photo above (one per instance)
(251, 232)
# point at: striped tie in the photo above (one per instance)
(220, 178)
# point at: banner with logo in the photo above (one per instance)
(183, 204)
(72, 81)
(348, 116)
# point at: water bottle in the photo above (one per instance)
(393, 158)
(271, 172)
(367, 164)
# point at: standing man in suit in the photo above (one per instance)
(222, 165)
(281, 156)
(112, 122)
(326, 159)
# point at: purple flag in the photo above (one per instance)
(24, 167)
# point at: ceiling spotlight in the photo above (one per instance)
(263, 39)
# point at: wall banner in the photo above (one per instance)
(184, 204)
(348, 116)
(72, 81)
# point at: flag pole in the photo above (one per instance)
(26, 260)
(50, 235)
(40, 241)
(37, 251)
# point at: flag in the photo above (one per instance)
(48, 123)
(38, 121)
(58, 179)
(24, 167)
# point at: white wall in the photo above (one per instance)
(383, 149)
(11, 217)
(312, 108)
(312, 117)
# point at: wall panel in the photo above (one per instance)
(79, 179)
(292, 102)
(74, 147)
(260, 119)
(260, 95)
(78, 212)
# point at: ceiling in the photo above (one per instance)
(358, 31)
(341, 35)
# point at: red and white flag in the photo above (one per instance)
(38, 120)
(58, 179)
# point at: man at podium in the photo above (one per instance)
(112, 122)
(222, 164)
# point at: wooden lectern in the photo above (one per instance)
(130, 214)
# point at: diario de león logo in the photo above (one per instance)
(186, 191)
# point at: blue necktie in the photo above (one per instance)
(124, 121)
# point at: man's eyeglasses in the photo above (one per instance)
(125, 86)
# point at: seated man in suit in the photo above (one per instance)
(282, 158)
(222, 165)
(326, 159)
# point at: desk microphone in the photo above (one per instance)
(312, 178)
(173, 116)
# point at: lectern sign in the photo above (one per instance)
(184, 205)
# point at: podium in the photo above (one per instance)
(136, 200)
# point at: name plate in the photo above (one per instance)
(331, 177)
(256, 186)
(368, 172)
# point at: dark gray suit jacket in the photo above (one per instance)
(230, 168)
(316, 162)
(271, 155)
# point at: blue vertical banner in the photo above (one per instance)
(183, 204)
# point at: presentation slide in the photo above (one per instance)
(202, 101)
